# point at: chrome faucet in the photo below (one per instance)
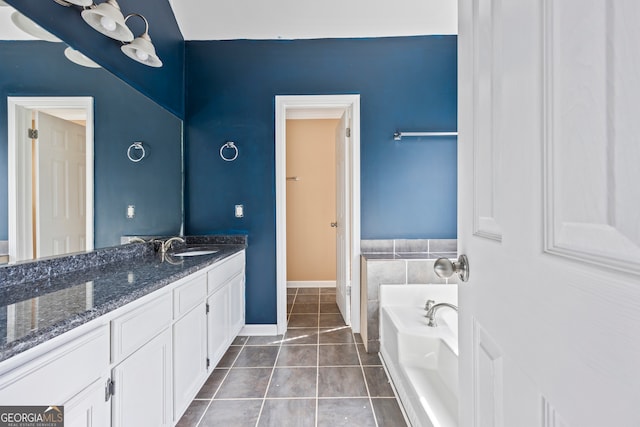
(431, 312)
(136, 239)
(166, 245)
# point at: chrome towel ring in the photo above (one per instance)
(231, 146)
(136, 146)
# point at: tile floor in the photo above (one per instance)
(317, 375)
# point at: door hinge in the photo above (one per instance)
(208, 363)
(348, 132)
(349, 291)
(109, 389)
(33, 133)
(206, 308)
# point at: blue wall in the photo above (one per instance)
(164, 85)
(408, 188)
(122, 115)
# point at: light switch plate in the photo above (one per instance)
(239, 211)
(131, 211)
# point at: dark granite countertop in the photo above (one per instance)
(36, 304)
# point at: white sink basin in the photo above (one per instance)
(194, 252)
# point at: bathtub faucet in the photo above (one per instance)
(431, 313)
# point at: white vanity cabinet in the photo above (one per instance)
(141, 350)
(189, 341)
(226, 317)
(141, 364)
(68, 370)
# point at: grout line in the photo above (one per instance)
(366, 384)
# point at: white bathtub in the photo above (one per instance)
(422, 360)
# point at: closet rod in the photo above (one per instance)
(398, 135)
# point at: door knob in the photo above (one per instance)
(444, 268)
(334, 224)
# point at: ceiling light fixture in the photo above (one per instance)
(141, 49)
(106, 18)
(74, 2)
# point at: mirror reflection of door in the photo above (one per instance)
(60, 185)
(50, 199)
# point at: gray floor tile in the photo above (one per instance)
(301, 336)
(329, 307)
(291, 299)
(345, 412)
(257, 356)
(303, 321)
(232, 413)
(288, 413)
(308, 308)
(331, 320)
(293, 382)
(308, 291)
(265, 340)
(338, 355)
(229, 357)
(307, 299)
(339, 335)
(368, 359)
(328, 290)
(388, 413)
(358, 337)
(213, 382)
(243, 383)
(239, 340)
(378, 382)
(292, 291)
(327, 298)
(193, 413)
(341, 382)
(298, 355)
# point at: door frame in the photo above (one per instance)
(290, 103)
(15, 133)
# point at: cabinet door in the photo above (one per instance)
(88, 408)
(189, 357)
(218, 324)
(142, 394)
(236, 304)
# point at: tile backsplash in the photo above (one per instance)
(408, 246)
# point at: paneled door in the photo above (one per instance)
(61, 186)
(343, 228)
(549, 202)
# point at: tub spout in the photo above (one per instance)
(431, 314)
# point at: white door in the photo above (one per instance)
(549, 201)
(343, 228)
(61, 186)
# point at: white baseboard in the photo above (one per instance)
(259, 330)
(312, 284)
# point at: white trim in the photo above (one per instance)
(34, 102)
(315, 113)
(285, 104)
(312, 284)
(259, 330)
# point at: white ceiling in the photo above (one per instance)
(304, 19)
(297, 19)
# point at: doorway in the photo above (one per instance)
(347, 108)
(50, 147)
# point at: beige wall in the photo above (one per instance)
(311, 201)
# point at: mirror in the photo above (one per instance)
(149, 189)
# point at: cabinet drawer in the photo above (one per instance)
(220, 274)
(188, 295)
(130, 331)
(54, 378)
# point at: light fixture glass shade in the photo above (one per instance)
(84, 3)
(3, 3)
(31, 28)
(79, 58)
(107, 19)
(142, 50)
